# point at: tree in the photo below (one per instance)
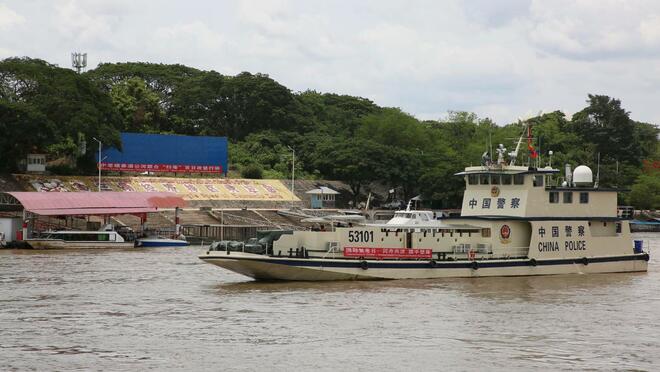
(44, 105)
(645, 193)
(24, 130)
(138, 106)
(606, 124)
(355, 161)
(252, 170)
(162, 79)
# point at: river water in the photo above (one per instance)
(163, 309)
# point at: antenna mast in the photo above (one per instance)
(597, 172)
(79, 61)
(514, 154)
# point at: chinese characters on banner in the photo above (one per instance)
(124, 167)
(387, 252)
(188, 188)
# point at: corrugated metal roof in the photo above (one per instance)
(77, 203)
(322, 190)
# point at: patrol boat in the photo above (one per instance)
(515, 221)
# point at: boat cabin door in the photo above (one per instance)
(409, 235)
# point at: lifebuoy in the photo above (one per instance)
(532, 262)
(475, 265)
(585, 261)
(472, 254)
(364, 265)
(432, 263)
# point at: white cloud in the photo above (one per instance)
(596, 30)
(9, 18)
(500, 59)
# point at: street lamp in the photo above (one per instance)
(99, 162)
(293, 174)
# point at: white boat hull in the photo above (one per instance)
(61, 244)
(315, 269)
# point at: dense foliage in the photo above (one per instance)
(48, 109)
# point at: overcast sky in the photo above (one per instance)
(499, 59)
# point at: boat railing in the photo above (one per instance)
(487, 249)
(482, 248)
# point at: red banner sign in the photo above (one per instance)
(387, 252)
(123, 167)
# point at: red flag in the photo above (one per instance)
(530, 147)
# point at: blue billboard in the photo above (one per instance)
(167, 153)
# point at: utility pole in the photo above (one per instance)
(99, 162)
(293, 174)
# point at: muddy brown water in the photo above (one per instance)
(163, 309)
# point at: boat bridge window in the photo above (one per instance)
(506, 179)
(584, 197)
(483, 179)
(568, 197)
(554, 197)
(485, 233)
(538, 180)
(518, 179)
(473, 179)
(495, 179)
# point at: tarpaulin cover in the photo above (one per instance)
(96, 203)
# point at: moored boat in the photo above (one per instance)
(153, 242)
(67, 239)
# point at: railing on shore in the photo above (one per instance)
(222, 232)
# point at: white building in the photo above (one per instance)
(36, 163)
(323, 197)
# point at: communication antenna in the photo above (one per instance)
(79, 61)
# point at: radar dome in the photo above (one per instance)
(582, 176)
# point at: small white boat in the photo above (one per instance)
(157, 241)
(79, 240)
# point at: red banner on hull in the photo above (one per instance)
(124, 167)
(387, 252)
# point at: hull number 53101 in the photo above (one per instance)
(360, 236)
